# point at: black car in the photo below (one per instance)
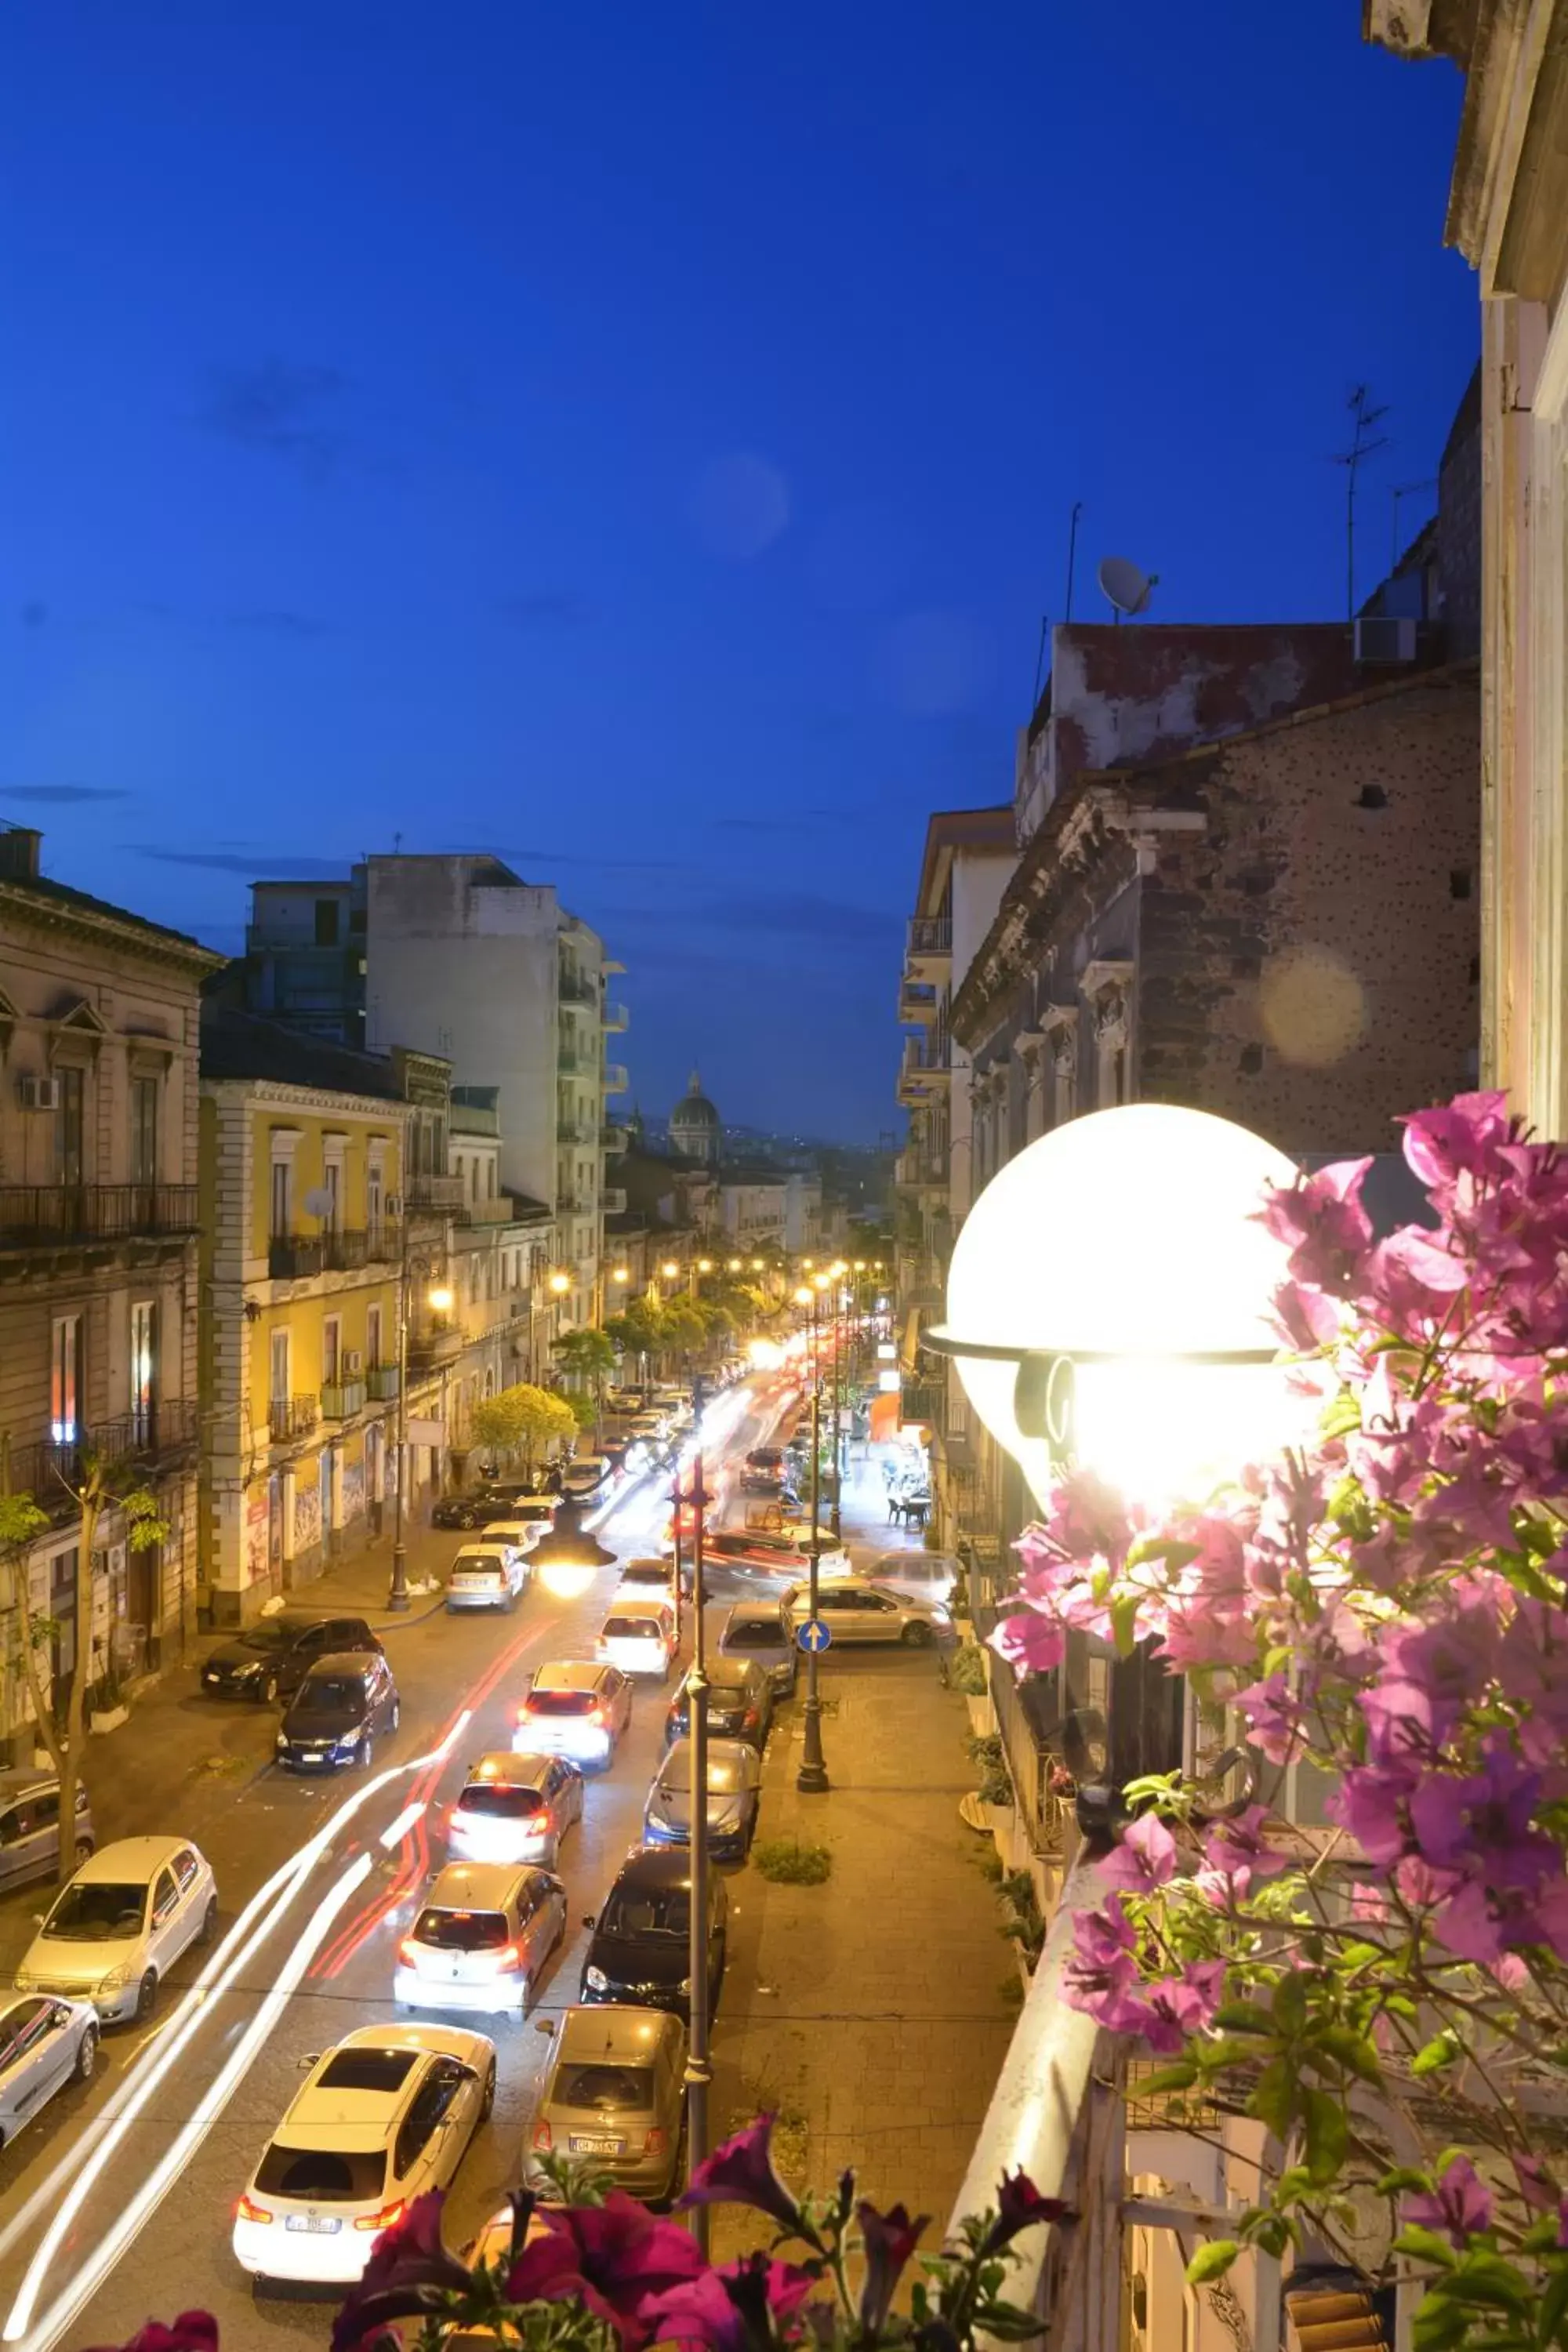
(270, 1660)
(340, 1710)
(491, 1501)
(640, 1951)
(740, 1704)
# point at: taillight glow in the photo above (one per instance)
(409, 1950)
(248, 2210)
(656, 2142)
(509, 1956)
(382, 2220)
(543, 2138)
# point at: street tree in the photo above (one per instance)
(106, 1487)
(523, 1420)
(637, 1330)
(586, 1355)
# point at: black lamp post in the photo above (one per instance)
(811, 1778)
(699, 2067)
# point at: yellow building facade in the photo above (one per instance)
(302, 1167)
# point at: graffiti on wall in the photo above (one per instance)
(256, 1535)
(306, 1515)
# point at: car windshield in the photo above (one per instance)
(631, 1629)
(270, 1636)
(760, 1633)
(325, 2176)
(723, 1774)
(460, 1931)
(330, 1694)
(507, 1803)
(646, 1911)
(94, 1911)
(603, 2087)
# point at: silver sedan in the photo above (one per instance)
(45, 2042)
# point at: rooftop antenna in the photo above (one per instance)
(1072, 554)
(1351, 459)
(1040, 658)
(398, 845)
(1405, 491)
(1124, 587)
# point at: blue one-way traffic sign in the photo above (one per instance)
(814, 1636)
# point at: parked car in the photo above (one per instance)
(766, 1457)
(515, 1807)
(491, 1573)
(734, 1788)
(740, 1703)
(919, 1575)
(337, 1715)
(482, 1939)
(385, 2115)
(616, 2093)
(585, 1475)
(44, 2044)
(30, 1824)
(576, 1707)
(762, 1631)
(756, 1481)
(858, 1611)
(270, 1659)
(639, 1952)
(522, 1523)
(638, 1636)
(756, 1550)
(112, 1935)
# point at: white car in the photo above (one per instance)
(44, 2045)
(383, 2117)
(515, 1807)
(521, 1528)
(638, 1636)
(115, 1932)
(489, 1574)
(483, 1938)
(573, 1707)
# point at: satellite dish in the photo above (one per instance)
(318, 1204)
(1123, 585)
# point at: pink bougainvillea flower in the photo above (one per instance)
(1321, 1221)
(1459, 2206)
(1237, 1843)
(1031, 1642)
(1144, 1858)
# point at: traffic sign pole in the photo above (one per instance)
(811, 1778)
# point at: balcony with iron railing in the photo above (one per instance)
(614, 1078)
(925, 1071)
(433, 1195)
(292, 1417)
(574, 1129)
(56, 1216)
(930, 936)
(578, 988)
(382, 1382)
(614, 1137)
(572, 1062)
(919, 1002)
(615, 1199)
(615, 1015)
(341, 1400)
(430, 1350)
(293, 1256)
(48, 1467)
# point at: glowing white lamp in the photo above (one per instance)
(1108, 1302)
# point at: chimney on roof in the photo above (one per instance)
(19, 847)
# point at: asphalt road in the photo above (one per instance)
(243, 2041)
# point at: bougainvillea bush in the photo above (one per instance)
(1389, 1994)
(591, 2269)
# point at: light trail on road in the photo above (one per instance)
(261, 1915)
(124, 2232)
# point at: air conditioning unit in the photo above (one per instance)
(353, 1362)
(39, 1094)
(1385, 639)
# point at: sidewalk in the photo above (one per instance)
(871, 2012)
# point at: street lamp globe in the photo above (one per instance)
(803, 1295)
(704, 1265)
(620, 1274)
(440, 1299)
(669, 1270)
(560, 1284)
(821, 1281)
(1108, 1302)
(756, 1266)
(734, 1265)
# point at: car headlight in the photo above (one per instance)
(684, 1986)
(282, 1739)
(116, 1980)
(596, 1979)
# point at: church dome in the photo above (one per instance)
(694, 1124)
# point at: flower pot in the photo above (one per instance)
(982, 1714)
(999, 1822)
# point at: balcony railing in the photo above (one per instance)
(574, 1204)
(930, 935)
(577, 989)
(614, 1137)
(615, 1197)
(437, 1194)
(427, 1350)
(380, 1382)
(616, 1016)
(616, 1078)
(45, 1216)
(292, 1416)
(574, 1131)
(572, 1063)
(48, 1468)
(341, 1400)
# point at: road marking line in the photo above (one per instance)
(403, 1824)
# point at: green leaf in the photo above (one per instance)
(1351, 2051)
(1212, 2261)
(1553, 2306)
(1171, 1549)
(1290, 2001)
(1341, 1412)
(1440, 2051)
(1124, 1622)
(1425, 2246)
(1394, 2184)
(1006, 2322)
(1241, 2017)
(1273, 2099)
(1327, 2134)
(1486, 2279)
(1179, 2077)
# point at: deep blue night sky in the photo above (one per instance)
(640, 439)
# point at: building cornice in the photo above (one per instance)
(103, 928)
(265, 1093)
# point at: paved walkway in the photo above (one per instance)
(870, 2010)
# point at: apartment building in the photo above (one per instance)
(98, 1014)
(466, 959)
(303, 1146)
(501, 1259)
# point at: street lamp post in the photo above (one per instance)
(441, 1300)
(698, 2069)
(811, 1778)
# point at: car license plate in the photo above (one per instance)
(214, 1678)
(320, 2225)
(595, 2144)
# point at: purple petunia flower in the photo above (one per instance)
(193, 2331)
(887, 2239)
(613, 2257)
(741, 2172)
